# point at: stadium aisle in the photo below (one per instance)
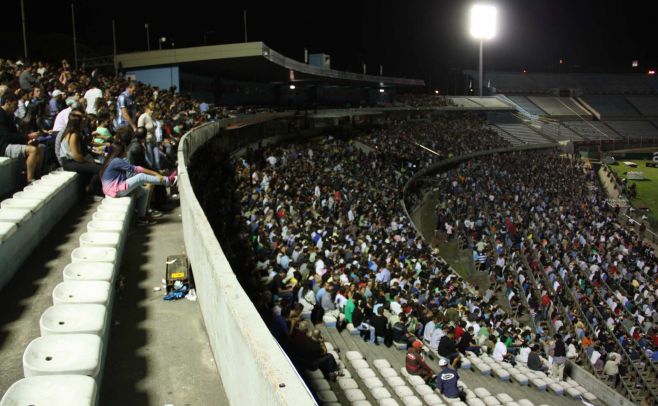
(159, 352)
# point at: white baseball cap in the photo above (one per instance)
(443, 362)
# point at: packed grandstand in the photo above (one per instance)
(434, 250)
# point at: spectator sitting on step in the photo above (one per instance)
(360, 321)
(467, 343)
(500, 351)
(313, 353)
(74, 156)
(446, 382)
(535, 361)
(119, 178)
(448, 347)
(379, 322)
(400, 332)
(415, 363)
(15, 145)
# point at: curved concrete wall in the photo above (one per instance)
(253, 368)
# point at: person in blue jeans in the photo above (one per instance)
(120, 178)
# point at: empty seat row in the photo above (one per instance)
(524, 376)
(28, 216)
(67, 360)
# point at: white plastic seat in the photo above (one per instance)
(354, 394)
(538, 383)
(475, 402)
(381, 363)
(320, 384)
(465, 363)
(41, 187)
(63, 354)
(411, 401)
(380, 393)
(589, 396)
(329, 346)
(490, 401)
(361, 403)
(329, 321)
(483, 368)
(520, 378)
(317, 374)
(73, 319)
(373, 382)
(365, 373)
(89, 271)
(423, 390)
(98, 239)
(388, 372)
(117, 201)
(7, 230)
(404, 372)
(113, 208)
(111, 216)
(105, 226)
(432, 399)
(525, 402)
(394, 381)
(326, 396)
(415, 380)
(350, 355)
(347, 383)
(359, 364)
(16, 216)
(94, 254)
(556, 388)
(69, 390)
(388, 402)
(574, 392)
(403, 391)
(97, 292)
(481, 392)
(28, 204)
(37, 194)
(501, 373)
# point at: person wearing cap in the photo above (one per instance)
(415, 363)
(55, 105)
(446, 382)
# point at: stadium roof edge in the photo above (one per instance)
(252, 57)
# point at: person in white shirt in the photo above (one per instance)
(437, 334)
(500, 350)
(91, 95)
(429, 329)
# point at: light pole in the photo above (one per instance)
(161, 41)
(148, 38)
(24, 34)
(483, 26)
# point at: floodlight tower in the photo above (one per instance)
(483, 26)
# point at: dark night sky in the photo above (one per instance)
(412, 38)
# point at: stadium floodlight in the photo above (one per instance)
(381, 90)
(292, 87)
(483, 26)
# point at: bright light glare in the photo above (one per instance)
(483, 21)
(652, 72)
(292, 87)
(381, 90)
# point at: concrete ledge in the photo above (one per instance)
(236, 331)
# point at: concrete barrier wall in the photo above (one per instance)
(253, 368)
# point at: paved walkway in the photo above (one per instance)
(159, 352)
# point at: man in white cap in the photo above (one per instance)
(446, 382)
(55, 105)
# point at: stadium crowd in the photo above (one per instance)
(329, 237)
(56, 116)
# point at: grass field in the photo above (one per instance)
(647, 190)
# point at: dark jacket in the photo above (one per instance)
(379, 323)
(446, 383)
(8, 133)
(447, 346)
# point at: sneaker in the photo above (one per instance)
(154, 214)
(146, 221)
